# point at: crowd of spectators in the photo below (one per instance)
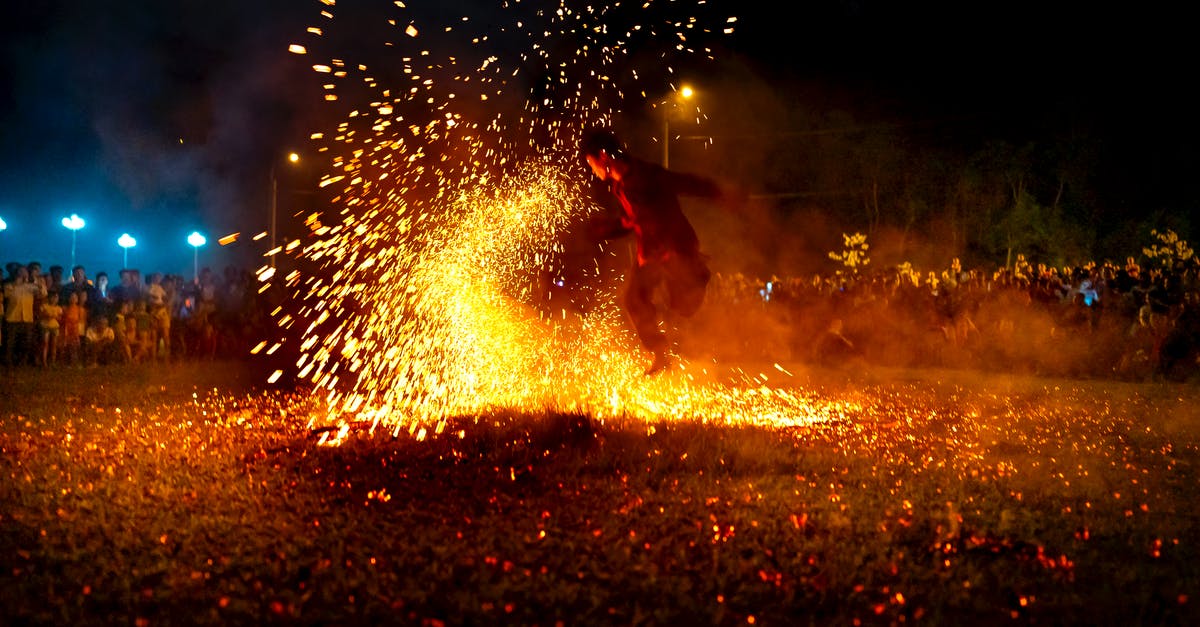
(1095, 320)
(53, 320)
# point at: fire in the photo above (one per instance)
(426, 304)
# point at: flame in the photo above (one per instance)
(428, 306)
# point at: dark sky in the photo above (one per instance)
(155, 118)
(162, 117)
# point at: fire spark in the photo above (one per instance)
(448, 204)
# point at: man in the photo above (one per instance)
(100, 302)
(20, 323)
(54, 286)
(128, 290)
(79, 283)
(668, 251)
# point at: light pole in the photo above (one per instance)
(196, 240)
(126, 241)
(292, 158)
(685, 93)
(74, 223)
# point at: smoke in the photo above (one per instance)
(162, 115)
(802, 157)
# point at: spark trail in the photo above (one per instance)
(453, 177)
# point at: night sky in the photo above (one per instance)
(158, 118)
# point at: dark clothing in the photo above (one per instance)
(685, 278)
(668, 251)
(20, 343)
(122, 294)
(100, 306)
(71, 288)
(649, 198)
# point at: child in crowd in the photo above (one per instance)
(161, 321)
(100, 342)
(143, 329)
(126, 341)
(49, 323)
(160, 316)
(72, 318)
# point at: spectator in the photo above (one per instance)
(50, 324)
(99, 343)
(54, 285)
(74, 324)
(126, 338)
(78, 283)
(161, 324)
(127, 291)
(100, 302)
(143, 330)
(20, 296)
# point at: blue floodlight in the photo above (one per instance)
(126, 241)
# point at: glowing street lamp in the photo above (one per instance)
(74, 223)
(3, 224)
(685, 93)
(126, 241)
(292, 158)
(196, 240)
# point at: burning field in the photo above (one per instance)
(455, 446)
(192, 495)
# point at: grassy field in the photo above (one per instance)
(188, 495)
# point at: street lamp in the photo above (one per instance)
(126, 241)
(74, 223)
(196, 240)
(3, 224)
(685, 93)
(292, 158)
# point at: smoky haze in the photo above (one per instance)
(154, 120)
(931, 170)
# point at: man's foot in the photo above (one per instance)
(662, 361)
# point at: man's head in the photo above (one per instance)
(602, 150)
(79, 275)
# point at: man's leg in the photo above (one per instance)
(639, 303)
(688, 282)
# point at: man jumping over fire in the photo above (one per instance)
(668, 251)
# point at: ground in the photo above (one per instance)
(193, 494)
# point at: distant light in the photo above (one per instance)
(229, 239)
(196, 239)
(259, 236)
(74, 222)
(3, 224)
(686, 92)
(297, 49)
(126, 241)
(293, 157)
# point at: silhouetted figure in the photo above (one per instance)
(668, 251)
